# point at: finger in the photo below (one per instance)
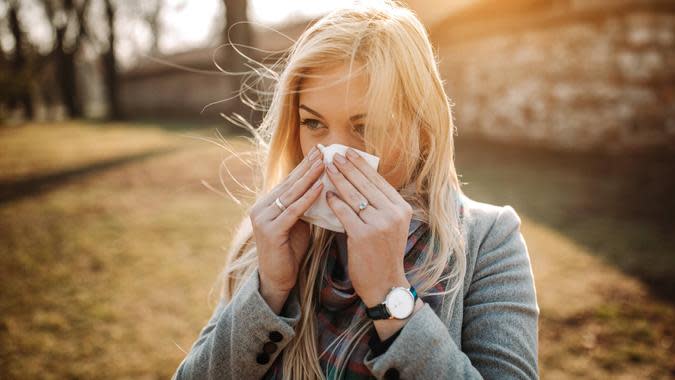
(351, 196)
(374, 177)
(351, 222)
(295, 191)
(293, 212)
(362, 184)
(348, 193)
(297, 172)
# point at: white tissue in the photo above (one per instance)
(320, 213)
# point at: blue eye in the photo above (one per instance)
(311, 123)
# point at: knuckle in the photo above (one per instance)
(401, 213)
(382, 228)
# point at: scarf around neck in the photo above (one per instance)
(339, 304)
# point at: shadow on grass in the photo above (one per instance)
(14, 190)
(620, 207)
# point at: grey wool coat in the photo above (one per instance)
(492, 334)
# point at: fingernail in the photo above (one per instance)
(332, 168)
(340, 158)
(329, 194)
(351, 153)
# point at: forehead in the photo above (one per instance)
(335, 90)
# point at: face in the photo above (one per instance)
(334, 113)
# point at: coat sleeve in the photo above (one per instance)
(500, 320)
(229, 345)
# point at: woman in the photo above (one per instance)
(302, 302)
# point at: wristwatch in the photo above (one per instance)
(398, 304)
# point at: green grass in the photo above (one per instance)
(110, 244)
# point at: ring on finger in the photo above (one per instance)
(277, 201)
(362, 206)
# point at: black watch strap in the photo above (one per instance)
(380, 311)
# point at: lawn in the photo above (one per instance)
(112, 237)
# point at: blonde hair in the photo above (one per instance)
(406, 107)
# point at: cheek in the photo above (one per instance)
(305, 142)
(308, 139)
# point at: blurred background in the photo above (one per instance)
(116, 170)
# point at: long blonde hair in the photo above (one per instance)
(406, 107)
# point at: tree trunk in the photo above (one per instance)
(232, 61)
(110, 66)
(65, 57)
(22, 94)
(235, 12)
(68, 82)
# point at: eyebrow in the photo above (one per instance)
(351, 118)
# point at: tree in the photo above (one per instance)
(19, 64)
(67, 16)
(153, 21)
(237, 34)
(235, 13)
(110, 64)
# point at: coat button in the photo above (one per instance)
(262, 358)
(391, 374)
(269, 347)
(276, 336)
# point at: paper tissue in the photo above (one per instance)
(320, 213)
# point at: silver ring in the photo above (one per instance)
(278, 203)
(363, 205)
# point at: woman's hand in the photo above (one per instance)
(377, 235)
(281, 238)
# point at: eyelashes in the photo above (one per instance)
(314, 124)
(310, 123)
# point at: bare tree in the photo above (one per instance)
(153, 21)
(237, 34)
(239, 30)
(110, 64)
(18, 65)
(67, 20)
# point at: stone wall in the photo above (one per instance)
(182, 85)
(567, 74)
(175, 93)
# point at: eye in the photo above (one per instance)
(312, 124)
(360, 128)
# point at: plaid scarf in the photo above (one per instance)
(339, 304)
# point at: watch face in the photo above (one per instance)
(400, 303)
